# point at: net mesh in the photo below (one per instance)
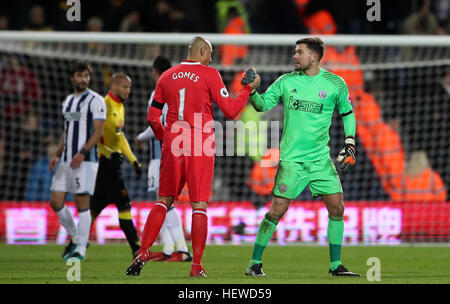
(400, 97)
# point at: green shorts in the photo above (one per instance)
(292, 178)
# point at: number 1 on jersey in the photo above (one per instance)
(181, 108)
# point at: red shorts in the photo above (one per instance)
(176, 170)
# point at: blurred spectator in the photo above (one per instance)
(167, 17)
(441, 9)
(262, 177)
(321, 23)
(343, 61)
(301, 7)
(255, 143)
(223, 8)
(274, 17)
(422, 22)
(22, 144)
(4, 23)
(95, 24)
(380, 140)
(230, 54)
(430, 123)
(37, 20)
(19, 88)
(131, 23)
(40, 177)
(113, 13)
(420, 182)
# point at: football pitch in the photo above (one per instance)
(106, 264)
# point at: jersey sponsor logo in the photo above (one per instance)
(72, 116)
(305, 106)
(187, 75)
(322, 94)
(224, 92)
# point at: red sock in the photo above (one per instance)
(199, 232)
(153, 225)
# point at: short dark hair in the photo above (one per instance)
(314, 44)
(161, 64)
(80, 66)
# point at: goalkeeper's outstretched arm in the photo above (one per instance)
(267, 100)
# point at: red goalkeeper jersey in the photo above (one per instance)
(189, 89)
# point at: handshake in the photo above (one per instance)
(250, 77)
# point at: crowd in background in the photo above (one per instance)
(26, 132)
(209, 16)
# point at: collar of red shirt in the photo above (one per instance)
(190, 62)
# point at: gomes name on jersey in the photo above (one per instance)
(187, 75)
(305, 106)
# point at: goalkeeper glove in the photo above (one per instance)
(137, 168)
(346, 157)
(248, 76)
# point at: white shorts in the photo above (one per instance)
(78, 181)
(153, 175)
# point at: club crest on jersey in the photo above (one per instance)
(322, 94)
(348, 99)
(224, 92)
(282, 188)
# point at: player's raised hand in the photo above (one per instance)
(346, 157)
(251, 78)
(256, 83)
(248, 76)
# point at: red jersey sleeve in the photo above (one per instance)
(155, 111)
(229, 106)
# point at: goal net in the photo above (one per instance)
(399, 89)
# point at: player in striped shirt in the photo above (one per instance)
(75, 161)
(171, 233)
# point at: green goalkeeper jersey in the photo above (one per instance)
(309, 103)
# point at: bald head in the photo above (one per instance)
(119, 77)
(121, 85)
(200, 50)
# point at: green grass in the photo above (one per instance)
(226, 265)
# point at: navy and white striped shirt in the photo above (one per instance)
(79, 114)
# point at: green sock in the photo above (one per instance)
(335, 233)
(265, 232)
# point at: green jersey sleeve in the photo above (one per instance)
(343, 101)
(270, 98)
(344, 105)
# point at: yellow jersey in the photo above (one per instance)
(113, 138)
